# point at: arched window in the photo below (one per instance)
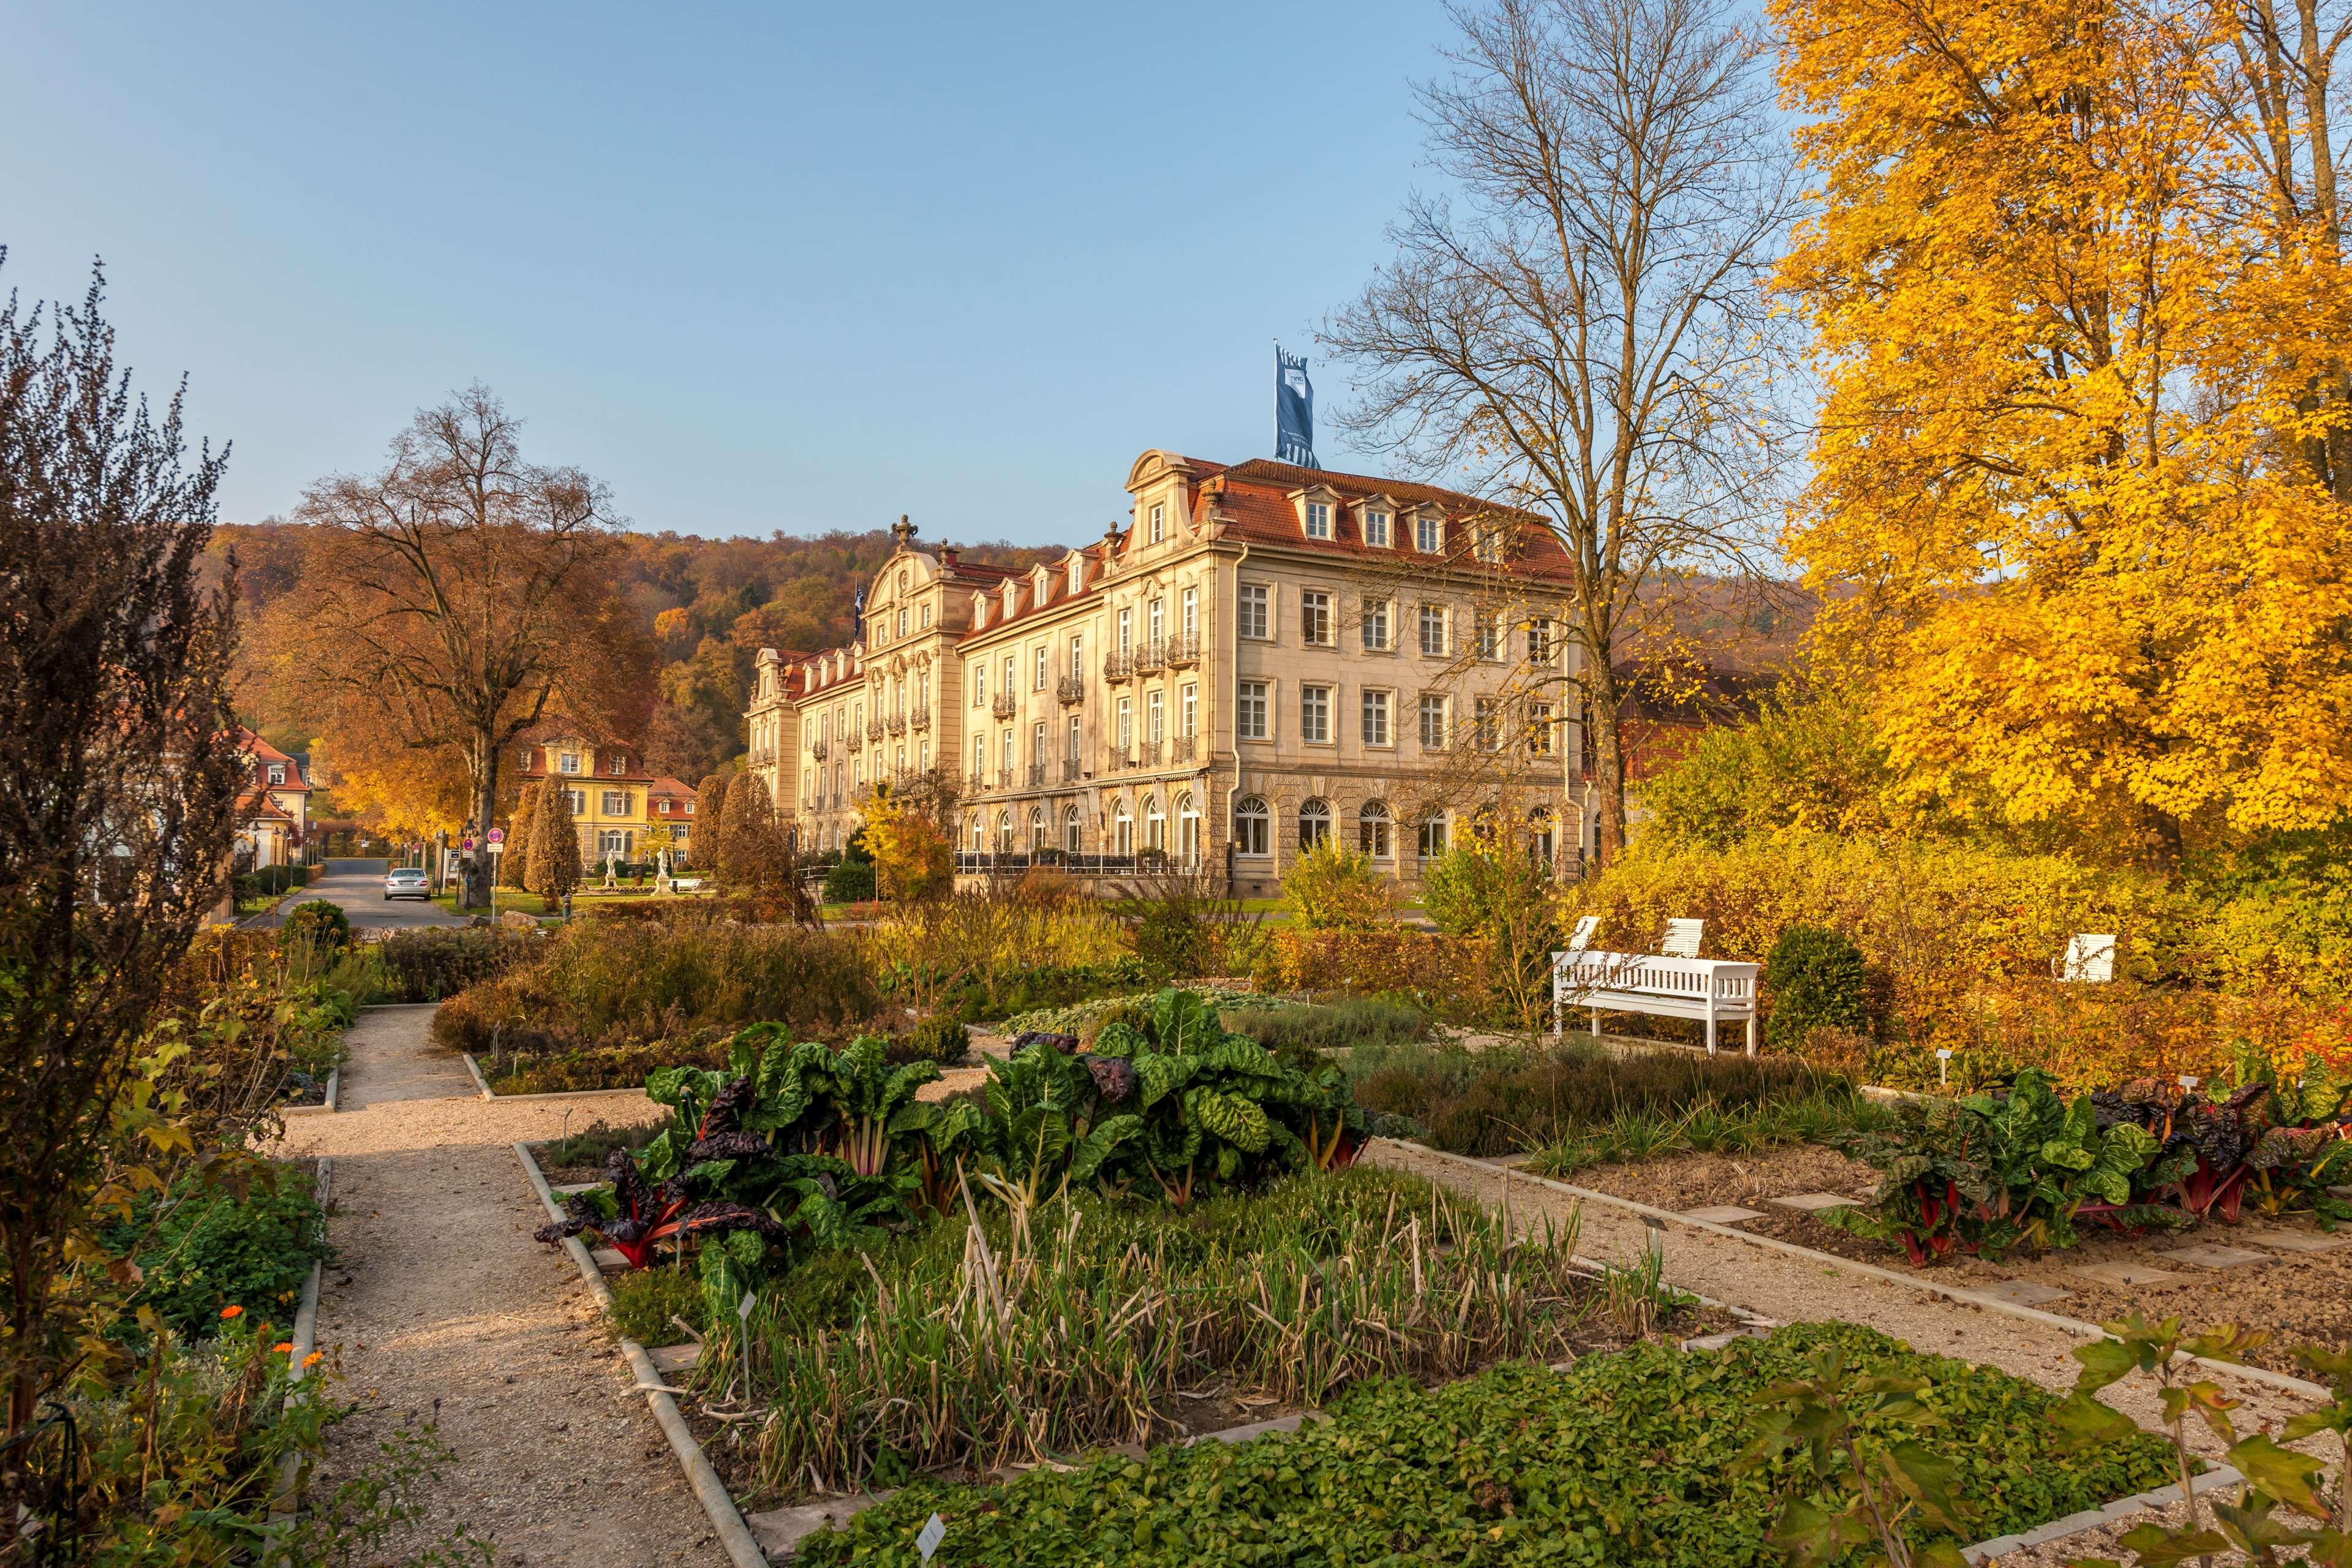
(1432, 835)
(1188, 829)
(1543, 835)
(1373, 830)
(1122, 831)
(1252, 827)
(979, 839)
(1004, 833)
(1314, 824)
(1037, 829)
(1155, 825)
(1070, 830)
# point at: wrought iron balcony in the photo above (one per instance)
(896, 723)
(1071, 688)
(819, 750)
(1119, 666)
(1004, 705)
(1037, 774)
(1182, 749)
(853, 740)
(1148, 754)
(1005, 778)
(920, 719)
(874, 729)
(1150, 657)
(1184, 650)
(979, 781)
(1072, 770)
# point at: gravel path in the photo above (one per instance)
(1793, 1289)
(444, 1308)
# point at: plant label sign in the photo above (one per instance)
(934, 1531)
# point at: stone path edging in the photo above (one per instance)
(475, 1070)
(306, 1339)
(726, 1518)
(2091, 1519)
(325, 1107)
(1990, 1303)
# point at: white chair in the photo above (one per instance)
(1681, 940)
(2090, 958)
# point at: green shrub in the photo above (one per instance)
(1629, 1458)
(434, 964)
(645, 1300)
(1352, 1022)
(205, 1248)
(318, 924)
(1332, 887)
(1814, 978)
(850, 882)
(940, 1039)
(1504, 1099)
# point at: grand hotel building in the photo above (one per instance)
(1262, 657)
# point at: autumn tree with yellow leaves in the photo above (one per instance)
(2082, 480)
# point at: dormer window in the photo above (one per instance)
(1077, 573)
(278, 773)
(1012, 600)
(1376, 528)
(1318, 519)
(1158, 522)
(1428, 533)
(1486, 542)
(569, 762)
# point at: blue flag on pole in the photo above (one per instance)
(1294, 411)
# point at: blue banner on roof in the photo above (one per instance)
(1294, 411)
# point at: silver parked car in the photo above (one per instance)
(407, 882)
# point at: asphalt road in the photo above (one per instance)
(357, 887)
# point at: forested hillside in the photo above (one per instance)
(709, 605)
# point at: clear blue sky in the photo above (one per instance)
(784, 267)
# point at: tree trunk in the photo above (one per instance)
(475, 893)
(1604, 722)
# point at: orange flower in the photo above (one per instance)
(228, 1313)
(314, 1359)
(283, 1347)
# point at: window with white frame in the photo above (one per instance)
(1043, 658)
(1155, 825)
(979, 754)
(1188, 829)
(1155, 712)
(278, 773)
(1256, 610)
(980, 686)
(1253, 711)
(1122, 831)
(1490, 637)
(1125, 730)
(1488, 718)
(1539, 640)
(1314, 619)
(1077, 658)
(1157, 620)
(569, 762)
(616, 802)
(1077, 573)
(1314, 824)
(1071, 830)
(1126, 630)
(1428, 534)
(1005, 751)
(1376, 626)
(1037, 743)
(578, 800)
(1188, 708)
(1486, 541)
(1009, 668)
(612, 841)
(1432, 835)
(1315, 714)
(1432, 722)
(1159, 522)
(1376, 528)
(1073, 753)
(1318, 519)
(1432, 631)
(1252, 827)
(1375, 830)
(1376, 717)
(1192, 626)
(902, 620)
(1539, 729)
(927, 614)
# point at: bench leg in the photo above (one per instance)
(1596, 1022)
(1710, 1033)
(1751, 1034)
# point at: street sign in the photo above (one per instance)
(466, 842)
(498, 835)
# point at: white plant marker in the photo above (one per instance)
(2189, 1081)
(1944, 1067)
(935, 1530)
(743, 1335)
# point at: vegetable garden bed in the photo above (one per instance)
(1627, 1457)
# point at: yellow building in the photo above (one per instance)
(614, 795)
(1262, 658)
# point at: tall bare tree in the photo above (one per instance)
(461, 597)
(1580, 331)
(119, 780)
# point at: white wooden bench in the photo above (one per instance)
(2090, 958)
(1663, 985)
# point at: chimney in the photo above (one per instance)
(948, 553)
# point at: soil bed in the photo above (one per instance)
(2303, 1298)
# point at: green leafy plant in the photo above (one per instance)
(318, 924)
(244, 1239)
(2276, 1478)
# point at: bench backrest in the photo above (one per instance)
(1682, 937)
(2090, 956)
(1581, 937)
